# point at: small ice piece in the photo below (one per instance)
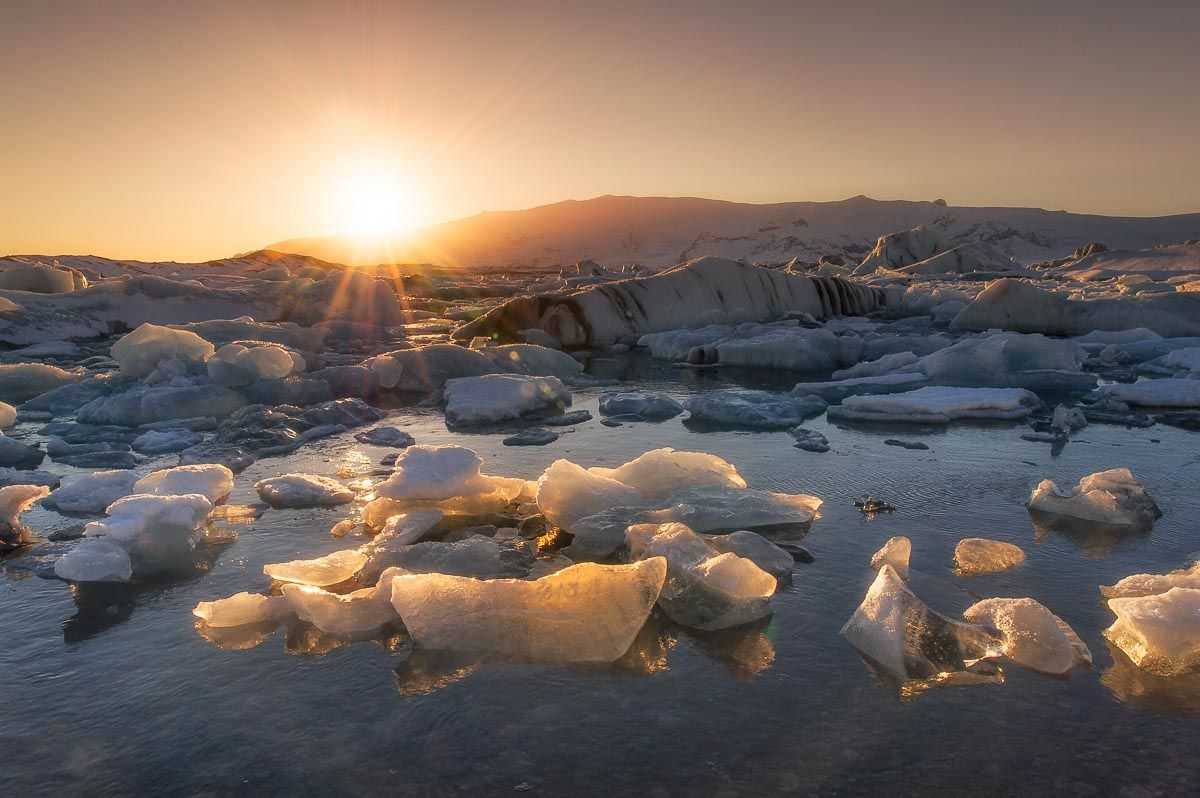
(385, 436)
(332, 569)
(92, 493)
(702, 591)
(896, 553)
(140, 351)
(1068, 419)
(165, 441)
(755, 548)
(1159, 633)
(94, 560)
(303, 490)
(14, 500)
(938, 405)
(209, 480)
(361, 612)
(435, 472)
(907, 639)
(585, 613)
(659, 473)
(810, 440)
(493, 398)
(649, 406)
(1152, 584)
(8, 415)
(982, 556)
(568, 492)
(742, 409)
(241, 609)
(1030, 634)
(1111, 497)
(158, 532)
(534, 436)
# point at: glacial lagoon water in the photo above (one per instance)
(111, 690)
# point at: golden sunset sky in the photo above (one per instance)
(189, 131)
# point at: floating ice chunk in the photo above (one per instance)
(726, 509)
(901, 634)
(585, 613)
(213, 481)
(878, 367)
(895, 552)
(1152, 584)
(753, 409)
(331, 569)
(983, 556)
(241, 609)
(1030, 634)
(1007, 360)
(164, 441)
(303, 490)
(22, 381)
(809, 440)
(8, 415)
(158, 532)
(140, 351)
(792, 348)
(239, 364)
(647, 405)
(385, 436)
(92, 493)
(148, 405)
(838, 390)
(702, 591)
(1159, 633)
(358, 613)
(755, 548)
(95, 560)
(435, 472)
(567, 492)
(502, 397)
(1173, 392)
(1111, 497)
(14, 500)
(938, 405)
(476, 556)
(661, 472)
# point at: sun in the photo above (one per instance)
(374, 202)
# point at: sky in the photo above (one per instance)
(187, 131)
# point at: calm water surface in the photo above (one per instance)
(113, 691)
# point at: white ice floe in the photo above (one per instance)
(95, 560)
(938, 405)
(1172, 392)
(703, 590)
(140, 351)
(907, 639)
(303, 490)
(895, 552)
(1030, 634)
(502, 397)
(585, 613)
(241, 609)
(331, 569)
(1112, 497)
(983, 556)
(92, 493)
(647, 405)
(158, 532)
(437, 472)
(568, 492)
(212, 481)
(1159, 633)
(1152, 584)
(753, 409)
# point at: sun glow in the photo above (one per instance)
(374, 202)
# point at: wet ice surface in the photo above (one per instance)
(782, 706)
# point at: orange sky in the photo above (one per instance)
(195, 131)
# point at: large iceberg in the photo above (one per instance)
(938, 405)
(1112, 497)
(584, 613)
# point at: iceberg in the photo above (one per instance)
(1112, 497)
(1159, 633)
(247, 362)
(385, 436)
(809, 440)
(476, 556)
(982, 556)
(303, 490)
(584, 613)
(1030, 634)
(938, 405)
(8, 415)
(165, 441)
(659, 473)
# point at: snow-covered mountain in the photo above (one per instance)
(661, 231)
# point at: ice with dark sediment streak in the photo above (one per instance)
(703, 590)
(744, 409)
(1160, 633)
(1112, 497)
(1030, 634)
(938, 405)
(584, 613)
(983, 556)
(908, 640)
(303, 490)
(1152, 584)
